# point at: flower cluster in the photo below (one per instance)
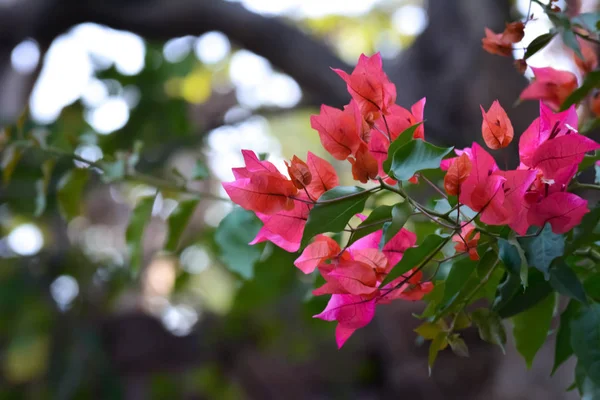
(362, 132)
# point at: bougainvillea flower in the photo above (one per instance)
(467, 241)
(262, 192)
(590, 59)
(321, 249)
(411, 288)
(338, 130)
(520, 65)
(549, 124)
(562, 210)
(445, 164)
(482, 190)
(496, 128)
(370, 87)
(299, 173)
(364, 165)
(514, 208)
(324, 177)
(514, 32)
(355, 277)
(284, 228)
(253, 164)
(350, 311)
(494, 43)
(373, 258)
(551, 86)
(458, 172)
(561, 152)
(393, 250)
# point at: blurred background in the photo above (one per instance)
(175, 89)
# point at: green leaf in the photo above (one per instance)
(400, 214)
(537, 289)
(69, 192)
(589, 21)
(200, 171)
(415, 156)
(565, 281)
(538, 43)
(530, 328)
(415, 256)
(41, 186)
(374, 222)
(430, 330)
(490, 327)
(590, 82)
(587, 232)
(235, 252)
(10, 158)
(439, 343)
(457, 277)
(177, 222)
(588, 161)
(405, 137)
(513, 257)
(585, 340)
(458, 345)
(113, 170)
(134, 235)
(332, 216)
(462, 284)
(592, 286)
(562, 348)
(597, 171)
(570, 40)
(544, 248)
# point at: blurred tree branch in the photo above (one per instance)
(445, 63)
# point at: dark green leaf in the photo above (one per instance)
(200, 171)
(565, 281)
(513, 257)
(10, 158)
(457, 277)
(537, 289)
(590, 82)
(587, 232)
(530, 328)
(415, 256)
(232, 241)
(562, 348)
(177, 222)
(41, 186)
(400, 214)
(585, 340)
(405, 137)
(463, 283)
(570, 40)
(69, 192)
(544, 248)
(439, 343)
(538, 43)
(415, 156)
(134, 235)
(490, 327)
(592, 286)
(332, 216)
